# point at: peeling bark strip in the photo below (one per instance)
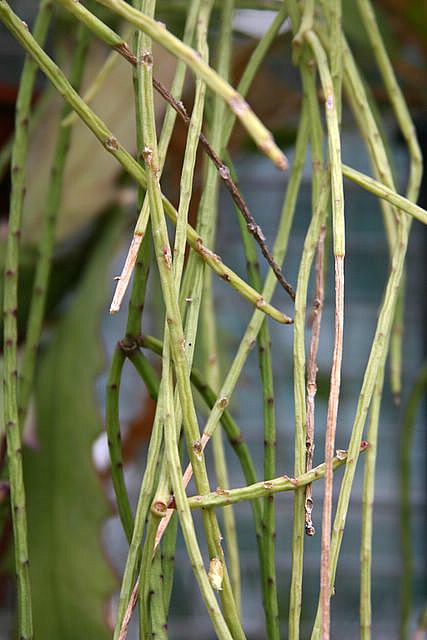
(325, 566)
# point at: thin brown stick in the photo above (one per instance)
(331, 422)
(224, 174)
(311, 376)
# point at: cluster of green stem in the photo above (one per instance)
(325, 61)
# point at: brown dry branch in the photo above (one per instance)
(316, 320)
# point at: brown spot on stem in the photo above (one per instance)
(111, 144)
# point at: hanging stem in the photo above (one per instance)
(367, 511)
(47, 240)
(267, 551)
(10, 305)
(409, 133)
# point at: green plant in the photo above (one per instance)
(326, 63)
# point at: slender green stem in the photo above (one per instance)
(167, 555)
(407, 128)
(395, 94)
(367, 511)
(335, 50)
(112, 422)
(267, 551)
(111, 144)
(261, 136)
(158, 598)
(406, 444)
(145, 577)
(10, 304)
(224, 497)
(207, 220)
(380, 190)
(143, 48)
(47, 240)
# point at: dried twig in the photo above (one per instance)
(311, 376)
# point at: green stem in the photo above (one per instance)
(206, 225)
(168, 550)
(146, 575)
(406, 444)
(158, 598)
(47, 240)
(384, 192)
(10, 304)
(112, 425)
(224, 497)
(367, 511)
(267, 551)
(409, 133)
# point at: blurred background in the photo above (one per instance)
(89, 191)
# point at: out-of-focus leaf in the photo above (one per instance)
(90, 179)
(71, 577)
